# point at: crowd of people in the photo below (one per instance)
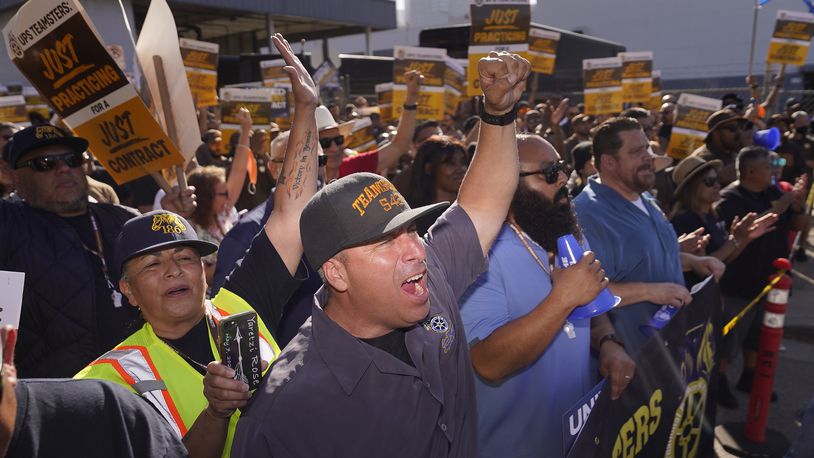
(406, 296)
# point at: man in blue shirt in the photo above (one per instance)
(533, 363)
(630, 233)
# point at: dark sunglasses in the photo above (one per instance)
(326, 142)
(72, 159)
(733, 129)
(710, 181)
(551, 173)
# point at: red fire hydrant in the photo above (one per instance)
(771, 335)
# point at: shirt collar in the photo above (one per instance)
(347, 357)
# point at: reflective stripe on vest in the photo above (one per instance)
(134, 365)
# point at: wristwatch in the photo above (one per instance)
(407, 106)
(497, 120)
(609, 337)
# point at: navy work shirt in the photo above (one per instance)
(330, 394)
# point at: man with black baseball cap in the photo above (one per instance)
(172, 360)
(71, 311)
(382, 367)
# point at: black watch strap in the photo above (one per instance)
(609, 337)
(497, 120)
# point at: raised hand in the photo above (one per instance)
(245, 119)
(305, 91)
(414, 79)
(502, 79)
(560, 112)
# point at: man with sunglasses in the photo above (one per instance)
(332, 138)
(71, 309)
(516, 319)
(723, 141)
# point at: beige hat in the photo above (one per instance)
(688, 168)
(325, 121)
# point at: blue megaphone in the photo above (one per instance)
(767, 138)
(569, 252)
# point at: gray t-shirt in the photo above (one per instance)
(330, 394)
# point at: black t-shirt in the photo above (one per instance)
(194, 345)
(112, 323)
(263, 281)
(746, 276)
(88, 418)
(688, 221)
(393, 343)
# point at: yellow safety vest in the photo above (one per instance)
(150, 368)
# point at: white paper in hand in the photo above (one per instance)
(11, 297)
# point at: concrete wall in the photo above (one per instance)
(690, 38)
(106, 16)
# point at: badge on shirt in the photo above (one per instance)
(441, 325)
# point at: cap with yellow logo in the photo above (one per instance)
(40, 136)
(157, 230)
(354, 210)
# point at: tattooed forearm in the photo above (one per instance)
(294, 181)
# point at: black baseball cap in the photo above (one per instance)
(157, 230)
(352, 211)
(39, 136)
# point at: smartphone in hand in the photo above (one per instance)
(239, 346)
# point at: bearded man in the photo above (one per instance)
(532, 362)
(630, 233)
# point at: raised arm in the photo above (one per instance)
(390, 153)
(298, 177)
(491, 180)
(237, 173)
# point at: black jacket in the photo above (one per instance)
(58, 328)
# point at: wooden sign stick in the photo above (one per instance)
(166, 105)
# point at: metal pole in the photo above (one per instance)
(754, 33)
(368, 37)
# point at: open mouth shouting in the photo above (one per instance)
(416, 286)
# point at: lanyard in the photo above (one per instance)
(115, 295)
(568, 327)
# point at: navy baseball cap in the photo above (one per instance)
(157, 230)
(354, 210)
(39, 136)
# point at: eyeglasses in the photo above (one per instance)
(551, 173)
(710, 181)
(779, 162)
(326, 142)
(72, 159)
(733, 129)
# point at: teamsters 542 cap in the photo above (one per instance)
(39, 136)
(157, 230)
(352, 211)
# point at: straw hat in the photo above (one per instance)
(688, 168)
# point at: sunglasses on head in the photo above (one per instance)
(326, 142)
(710, 181)
(551, 173)
(72, 159)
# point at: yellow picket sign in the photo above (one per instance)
(791, 37)
(690, 127)
(66, 62)
(201, 64)
(602, 82)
